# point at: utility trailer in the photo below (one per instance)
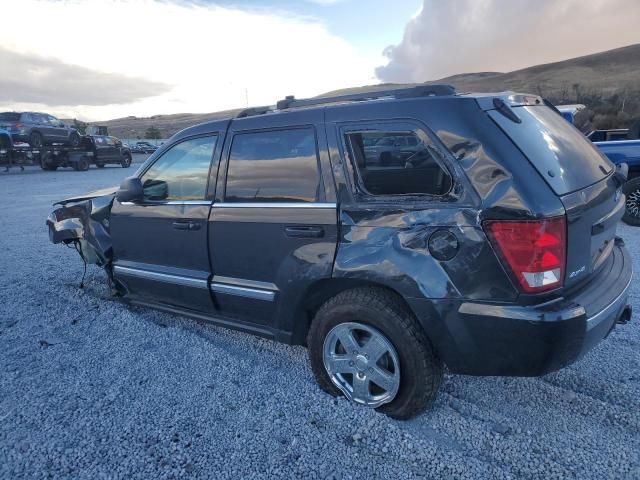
(49, 157)
(100, 150)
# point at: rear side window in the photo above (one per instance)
(9, 117)
(564, 157)
(181, 173)
(396, 162)
(273, 166)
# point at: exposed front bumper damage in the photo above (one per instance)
(85, 222)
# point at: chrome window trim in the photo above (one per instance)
(169, 202)
(161, 277)
(274, 205)
(257, 294)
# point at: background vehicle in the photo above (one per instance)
(38, 129)
(609, 135)
(494, 253)
(627, 152)
(145, 147)
(390, 150)
(107, 150)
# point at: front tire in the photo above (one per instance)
(126, 161)
(342, 367)
(631, 189)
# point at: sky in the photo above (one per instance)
(103, 59)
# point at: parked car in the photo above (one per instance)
(146, 147)
(108, 150)
(391, 149)
(506, 262)
(628, 153)
(38, 129)
(611, 135)
(100, 150)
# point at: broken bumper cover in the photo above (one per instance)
(86, 222)
(498, 339)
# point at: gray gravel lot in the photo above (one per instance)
(91, 388)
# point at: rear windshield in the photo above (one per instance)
(9, 117)
(564, 157)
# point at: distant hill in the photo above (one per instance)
(134, 127)
(607, 82)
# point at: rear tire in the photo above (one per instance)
(35, 139)
(631, 189)
(81, 165)
(421, 370)
(46, 164)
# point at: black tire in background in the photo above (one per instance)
(35, 139)
(46, 162)
(421, 370)
(631, 189)
(99, 165)
(74, 139)
(126, 161)
(82, 165)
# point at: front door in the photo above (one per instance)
(160, 243)
(272, 228)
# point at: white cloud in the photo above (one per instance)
(210, 54)
(461, 36)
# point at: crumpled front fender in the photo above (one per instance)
(86, 222)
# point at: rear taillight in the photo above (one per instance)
(533, 250)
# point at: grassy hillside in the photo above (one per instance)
(607, 82)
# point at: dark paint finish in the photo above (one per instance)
(286, 245)
(267, 267)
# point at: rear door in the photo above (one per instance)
(580, 175)
(41, 123)
(160, 243)
(273, 226)
(57, 128)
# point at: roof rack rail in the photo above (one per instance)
(435, 90)
(249, 112)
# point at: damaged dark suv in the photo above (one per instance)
(488, 245)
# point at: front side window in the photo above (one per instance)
(396, 162)
(273, 166)
(182, 172)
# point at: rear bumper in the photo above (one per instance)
(499, 339)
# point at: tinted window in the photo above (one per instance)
(9, 117)
(400, 163)
(181, 173)
(274, 166)
(553, 145)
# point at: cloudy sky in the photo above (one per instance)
(102, 59)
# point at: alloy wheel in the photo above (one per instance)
(633, 203)
(362, 363)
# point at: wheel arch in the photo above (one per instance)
(324, 289)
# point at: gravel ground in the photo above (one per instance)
(91, 388)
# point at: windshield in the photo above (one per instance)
(564, 157)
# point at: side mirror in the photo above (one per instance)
(130, 190)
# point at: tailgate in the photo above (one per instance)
(579, 174)
(592, 216)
